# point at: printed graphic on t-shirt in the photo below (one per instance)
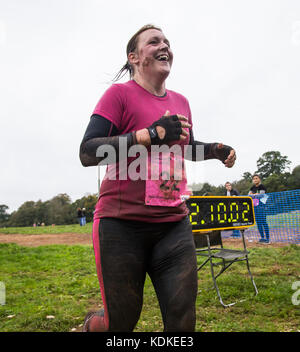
(166, 183)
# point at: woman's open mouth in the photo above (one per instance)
(163, 57)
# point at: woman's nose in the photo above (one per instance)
(163, 46)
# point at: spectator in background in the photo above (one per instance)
(83, 217)
(79, 216)
(257, 191)
(229, 193)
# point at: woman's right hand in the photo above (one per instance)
(169, 128)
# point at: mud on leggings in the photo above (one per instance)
(124, 252)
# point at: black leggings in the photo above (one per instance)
(125, 251)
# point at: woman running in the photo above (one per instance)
(141, 225)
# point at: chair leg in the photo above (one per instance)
(214, 278)
(202, 265)
(224, 268)
(251, 277)
(248, 265)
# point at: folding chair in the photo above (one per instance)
(206, 243)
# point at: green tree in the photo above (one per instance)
(247, 176)
(60, 210)
(24, 216)
(218, 190)
(272, 163)
(294, 179)
(202, 189)
(277, 183)
(4, 216)
(42, 212)
(243, 185)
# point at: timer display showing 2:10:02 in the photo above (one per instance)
(208, 213)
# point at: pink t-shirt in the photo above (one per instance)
(130, 108)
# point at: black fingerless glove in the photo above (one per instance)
(220, 153)
(172, 127)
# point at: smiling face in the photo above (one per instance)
(153, 55)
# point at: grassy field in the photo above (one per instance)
(279, 220)
(30, 230)
(50, 288)
(292, 220)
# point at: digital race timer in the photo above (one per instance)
(220, 213)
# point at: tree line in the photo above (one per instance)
(272, 167)
(60, 210)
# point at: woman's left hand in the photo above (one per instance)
(229, 162)
(226, 154)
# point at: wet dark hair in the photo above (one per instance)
(131, 47)
(256, 175)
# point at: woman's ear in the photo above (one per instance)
(133, 58)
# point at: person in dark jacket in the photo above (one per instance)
(79, 216)
(230, 191)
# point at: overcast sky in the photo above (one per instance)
(237, 62)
